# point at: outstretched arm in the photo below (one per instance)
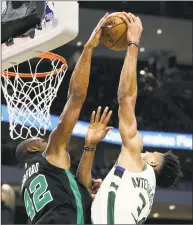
(76, 96)
(96, 132)
(78, 86)
(127, 90)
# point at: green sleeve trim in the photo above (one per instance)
(110, 207)
(77, 195)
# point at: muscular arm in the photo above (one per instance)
(127, 94)
(78, 86)
(80, 78)
(59, 138)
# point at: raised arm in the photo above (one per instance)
(127, 90)
(77, 92)
(96, 132)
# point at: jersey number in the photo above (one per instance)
(143, 204)
(139, 210)
(41, 196)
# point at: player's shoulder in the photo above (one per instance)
(150, 173)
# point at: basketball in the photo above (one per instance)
(115, 36)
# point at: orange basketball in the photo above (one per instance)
(115, 36)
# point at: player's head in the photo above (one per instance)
(166, 166)
(29, 148)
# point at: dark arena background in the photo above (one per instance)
(164, 103)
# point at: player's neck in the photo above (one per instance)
(133, 164)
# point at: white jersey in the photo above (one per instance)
(124, 197)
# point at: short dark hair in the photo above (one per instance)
(21, 151)
(170, 172)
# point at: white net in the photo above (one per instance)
(29, 99)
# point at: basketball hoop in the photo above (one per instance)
(29, 96)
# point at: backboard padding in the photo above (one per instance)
(62, 29)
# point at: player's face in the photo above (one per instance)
(42, 144)
(158, 156)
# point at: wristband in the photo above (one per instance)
(90, 149)
(133, 43)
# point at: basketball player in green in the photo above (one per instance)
(126, 194)
(51, 193)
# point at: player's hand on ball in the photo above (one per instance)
(134, 25)
(98, 127)
(94, 39)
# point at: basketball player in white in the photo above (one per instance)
(126, 194)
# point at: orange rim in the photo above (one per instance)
(45, 55)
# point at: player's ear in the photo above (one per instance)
(32, 149)
(152, 163)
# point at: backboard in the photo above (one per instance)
(60, 26)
